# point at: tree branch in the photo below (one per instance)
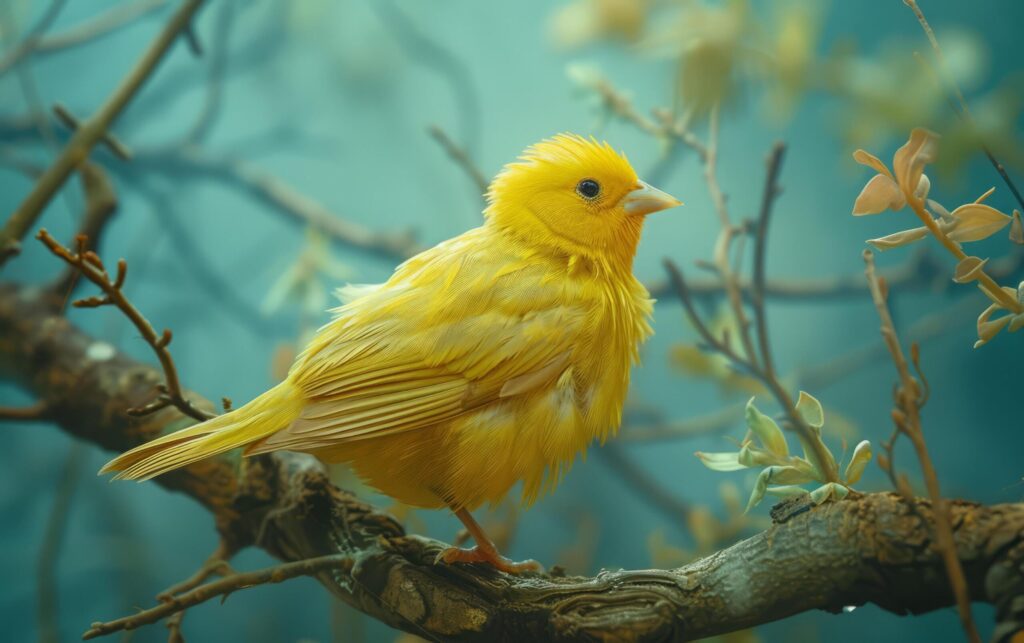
(876, 548)
(91, 267)
(909, 398)
(91, 131)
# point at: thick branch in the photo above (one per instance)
(874, 548)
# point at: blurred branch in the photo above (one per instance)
(922, 272)
(283, 198)
(91, 132)
(30, 41)
(100, 205)
(206, 275)
(712, 422)
(70, 121)
(924, 329)
(909, 398)
(38, 411)
(101, 25)
(461, 159)
(875, 546)
(747, 358)
(53, 537)
(429, 53)
(91, 267)
(646, 486)
(218, 59)
(960, 107)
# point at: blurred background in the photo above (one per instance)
(345, 109)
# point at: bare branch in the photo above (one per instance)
(92, 29)
(771, 191)
(91, 132)
(907, 417)
(461, 158)
(39, 411)
(963, 112)
(53, 538)
(70, 121)
(712, 422)
(89, 264)
(747, 361)
(222, 588)
(25, 47)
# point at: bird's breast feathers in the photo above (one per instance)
(478, 322)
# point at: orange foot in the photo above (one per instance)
(492, 558)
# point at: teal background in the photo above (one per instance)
(332, 98)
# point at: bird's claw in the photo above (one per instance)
(494, 559)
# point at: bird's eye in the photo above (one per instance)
(588, 188)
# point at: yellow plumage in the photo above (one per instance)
(492, 358)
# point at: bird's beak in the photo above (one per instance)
(646, 199)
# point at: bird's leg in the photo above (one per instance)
(485, 551)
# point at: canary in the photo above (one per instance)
(492, 358)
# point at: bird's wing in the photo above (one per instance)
(445, 336)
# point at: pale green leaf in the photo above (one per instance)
(753, 456)
(860, 459)
(810, 410)
(766, 430)
(827, 491)
(786, 491)
(788, 475)
(760, 486)
(720, 461)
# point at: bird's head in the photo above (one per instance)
(575, 195)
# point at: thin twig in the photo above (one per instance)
(909, 398)
(422, 49)
(223, 587)
(964, 111)
(285, 199)
(53, 538)
(724, 242)
(112, 143)
(100, 205)
(101, 25)
(647, 486)
(771, 191)
(90, 265)
(461, 158)
(30, 41)
(216, 565)
(655, 431)
(34, 412)
(762, 369)
(816, 450)
(91, 132)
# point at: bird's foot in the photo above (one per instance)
(490, 557)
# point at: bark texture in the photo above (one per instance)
(869, 548)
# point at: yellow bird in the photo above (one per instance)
(492, 358)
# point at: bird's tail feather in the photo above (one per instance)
(267, 414)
